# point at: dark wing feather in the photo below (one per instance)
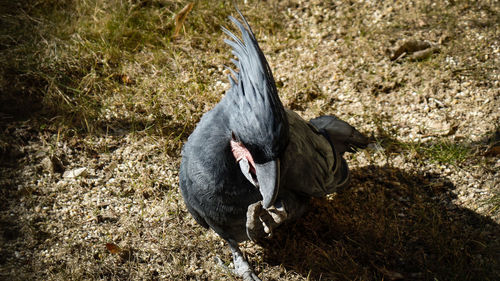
(344, 136)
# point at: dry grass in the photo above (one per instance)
(103, 85)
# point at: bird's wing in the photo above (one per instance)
(185, 184)
(309, 164)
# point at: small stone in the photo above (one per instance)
(80, 172)
(52, 164)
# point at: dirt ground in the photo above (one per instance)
(92, 126)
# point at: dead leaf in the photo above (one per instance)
(493, 150)
(126, 79)
(113, 248)
(181, 17)
(410, 47)
(123, 254)
(421, 55)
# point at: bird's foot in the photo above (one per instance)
(261, 222)
(241, 269)
(255, 227)
(278, 214)
(247, 275)
(241, 266)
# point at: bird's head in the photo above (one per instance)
(263, 173)
(257, 119)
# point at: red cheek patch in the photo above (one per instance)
(241, 152)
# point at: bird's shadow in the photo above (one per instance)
(389, 225)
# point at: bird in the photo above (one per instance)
(251, 165)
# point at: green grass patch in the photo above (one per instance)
(439, 150)
(442, 151)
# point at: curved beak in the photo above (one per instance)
(268, 178)
(245, 167)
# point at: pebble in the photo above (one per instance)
(79, 172)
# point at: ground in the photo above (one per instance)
(97, 98)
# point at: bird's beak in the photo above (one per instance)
(268, 177)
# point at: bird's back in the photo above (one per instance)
(312, 163)
(307, 163)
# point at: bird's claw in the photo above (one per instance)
(278, 213)
(261, 222)
(240, 270)
(250, 276)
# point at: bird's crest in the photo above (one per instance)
(259, 118)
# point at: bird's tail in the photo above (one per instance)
(342, 135)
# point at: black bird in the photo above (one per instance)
(251, 164)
